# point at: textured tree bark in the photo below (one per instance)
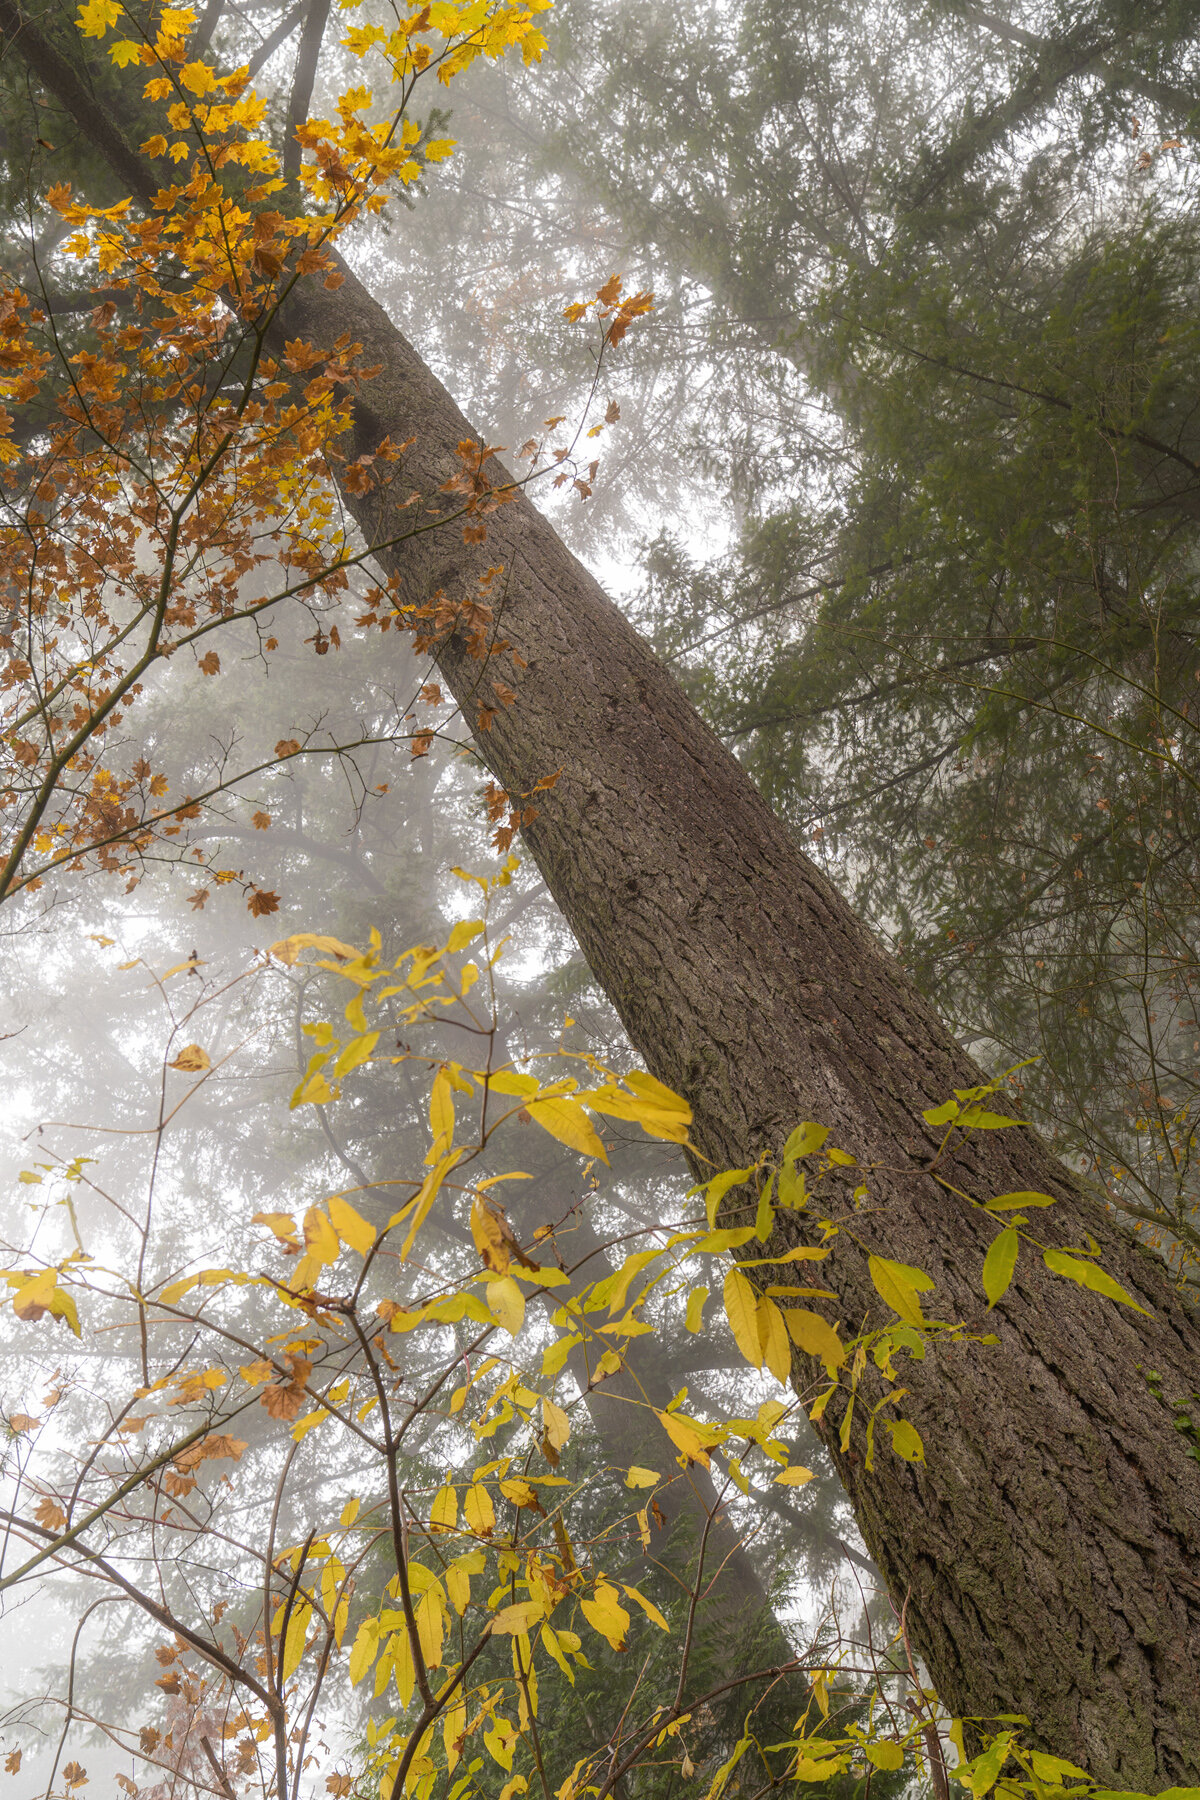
(1045, 1554)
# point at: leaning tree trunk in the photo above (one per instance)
(1044, 1555)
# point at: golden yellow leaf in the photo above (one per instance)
(350, 1225)
(773, 1340)
(741, 1309)
(557, 1424)
(192, 1060)
(685, 1437)
(479, 1514)
(816, 1336)
(288, 949)
(605, 1614)
(320, 1239)
(443, 1514)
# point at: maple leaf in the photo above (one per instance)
(97, 16)
(287, 746)
(12, 1762)
(262, 901)
(283, 1402)
(75, 1775)
(261, 821)
(210, 664)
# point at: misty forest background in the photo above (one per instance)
(906, 490)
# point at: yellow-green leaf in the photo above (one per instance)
(297, 1636)
(998, 1265)
(906, 1440)
(1090, 1275)
(898, 1284)
(884, 1753)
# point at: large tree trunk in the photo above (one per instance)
(1044, 1555)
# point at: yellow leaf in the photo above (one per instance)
(443, 1514)
(288, 949)
(35, 1295)
(198, 77)
(297, 1636)
(694, 1318)
(97, 16)
(458, 1585)
(557, 1424)
(441, 1116)
(356, 1052)
(898, 1284)
(350, 1225)
(1090, 1275)
(816, 1336)
(519, 1492)
(566, 1120)
(512, 1620)
(605, 1614)
(423, 1204)
(303, 1426)
(551, 1644)
(479, 1514)
(741, 1309)
(773, 1340)
(884, 1754)
(684, 1436)
(796, 1476)
(493, 1236)
(362, 1652)
(648, 1607)
(431, 1622)
(320, 1239)
(467, 930)
(507, 1303)
(638, 1477)
(192, 1060)
(454, 1726)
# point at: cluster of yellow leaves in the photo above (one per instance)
(138, 532)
